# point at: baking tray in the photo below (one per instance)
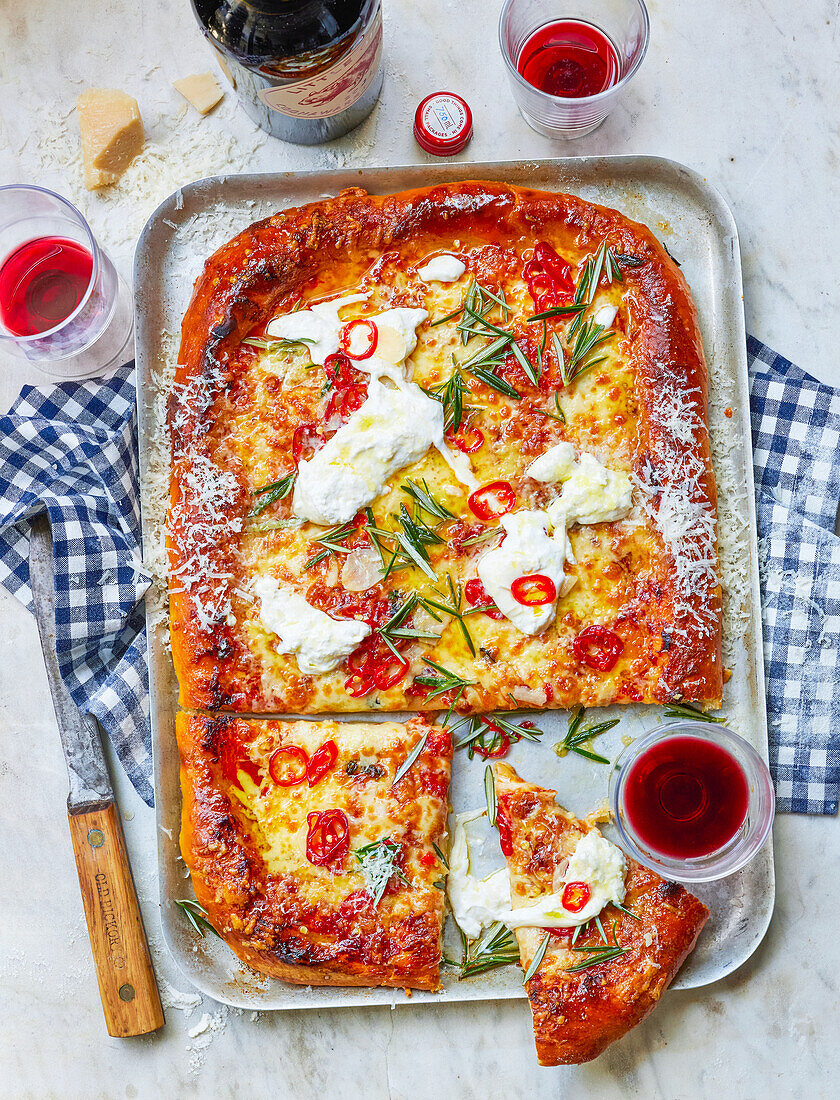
(697, 226)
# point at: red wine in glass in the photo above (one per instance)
(686, 797)
(569, 58)
(41, 284)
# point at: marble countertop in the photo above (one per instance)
(744, 93)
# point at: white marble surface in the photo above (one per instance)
(746, 93)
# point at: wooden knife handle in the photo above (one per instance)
(124, 971)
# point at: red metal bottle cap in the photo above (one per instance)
(443, 124)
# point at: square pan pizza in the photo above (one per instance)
(314, 847)
(445, 447)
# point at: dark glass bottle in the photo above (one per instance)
(305, 70)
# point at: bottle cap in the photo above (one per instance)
(443, 124)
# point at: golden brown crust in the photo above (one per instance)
(578, 1015)
(663, 600)
(243, 838)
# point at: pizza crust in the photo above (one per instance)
(578, 1015)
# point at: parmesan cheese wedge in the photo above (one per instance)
(112, 134)
(201, 90)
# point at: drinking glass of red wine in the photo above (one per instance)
(62, 305)
(568, 61)
(692, 800)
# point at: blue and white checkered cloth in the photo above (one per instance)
(72, 449)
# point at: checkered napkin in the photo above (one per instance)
(72, 449)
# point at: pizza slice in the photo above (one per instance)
(589, 983)
(312, 845)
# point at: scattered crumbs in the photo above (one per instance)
(176, 998)
(200, 1027)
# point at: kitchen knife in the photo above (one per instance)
(124, 971)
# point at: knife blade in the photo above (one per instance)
(127, 984)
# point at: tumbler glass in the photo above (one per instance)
(62, 304)
(624, 23)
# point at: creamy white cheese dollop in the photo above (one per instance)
(477, 903)
(474, 901)
(527, 549)
(592, 493)
(319, 326)
(442, 269)
(394, 427)
(319, 642)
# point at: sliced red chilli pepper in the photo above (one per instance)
(359, 685)
(505, 837)
(468, 441)
(362, 328)
(303, 442)
(598, 647)
(476, 596)
(575, 896)
(328, 837)
(350, 400)
(337, 367)
(288, 765)
(493, 500)
(534, 590)
(498, 747)
(549, 277)
(389, 671)
(321, 762)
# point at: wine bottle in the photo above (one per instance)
(305, 70)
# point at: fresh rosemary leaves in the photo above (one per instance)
(576, 737)
(196, 915)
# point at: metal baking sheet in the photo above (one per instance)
(697, 226)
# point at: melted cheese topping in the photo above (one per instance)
(319, 642)
(442, 269)
(277, 815)
(477, 903)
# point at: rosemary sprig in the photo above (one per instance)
(558, 311)
(490, 795)
(409, 760)
(279, 343)
(489, 378)
(277, 490)
(197, 916)
(627, 260)
(424, 498)
(559, 415)
(485, 734)
(331, 543)
(539, 955)
(599, 952)
(276, 524)
(442, 681)
(378, 864)
(575, 737)
(591, 336)
(693, 714)
(491, 532)
(395, 629)
(444, 861)
(497, 947)
(626, 911)
(451, 395)
(453, 609)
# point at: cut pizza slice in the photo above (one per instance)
(313, 846)
(588, 983)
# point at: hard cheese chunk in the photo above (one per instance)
(112, 134)
(201, 90)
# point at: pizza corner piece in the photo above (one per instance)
(617, 933)
(444, 447)
(314, 847)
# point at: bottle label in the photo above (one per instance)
(338, 87)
